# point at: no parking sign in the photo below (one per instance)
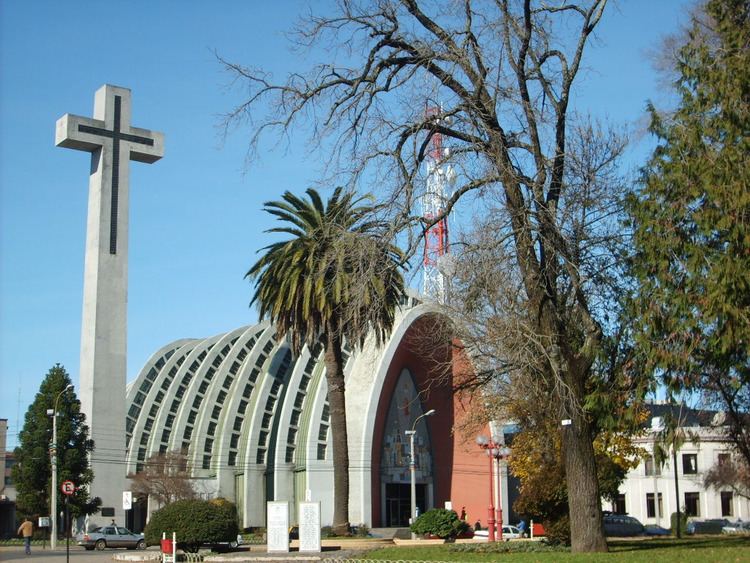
(68, 487)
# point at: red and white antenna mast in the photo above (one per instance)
(436, 243)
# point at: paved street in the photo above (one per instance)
(15, 553)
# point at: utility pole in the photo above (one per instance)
(53, 455)
(412, 464)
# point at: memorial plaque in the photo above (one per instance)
(277, 527)
(309, 526)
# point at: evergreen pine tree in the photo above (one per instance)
(691, 223)
(32, 472)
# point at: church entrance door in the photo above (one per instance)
(398, 503)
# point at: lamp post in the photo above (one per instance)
(53, 455)
(496, 451)
(412, 465)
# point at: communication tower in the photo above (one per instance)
(440, 175)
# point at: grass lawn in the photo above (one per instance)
(721, 549)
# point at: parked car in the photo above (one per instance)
(509, 533)
(654, 530)
(738, 527)
(622, 525)
(713, 526)
(110, 536)
(224, 546)
(512, 533)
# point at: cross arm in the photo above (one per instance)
(67, 134)
(146, 153)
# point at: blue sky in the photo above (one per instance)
(195, 219)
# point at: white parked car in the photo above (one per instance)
(736, 528)
(509, 533)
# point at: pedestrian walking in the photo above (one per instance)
(26, 530)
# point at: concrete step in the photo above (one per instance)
(390, 533)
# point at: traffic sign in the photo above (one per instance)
(127, 500)
(68, 487)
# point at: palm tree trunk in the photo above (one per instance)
(337, 403)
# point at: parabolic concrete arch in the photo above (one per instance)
(252, 419)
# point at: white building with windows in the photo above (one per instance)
(648, 492)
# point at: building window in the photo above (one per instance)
(692, 504)
(652, 468)
(726, 503)
(651, 508)
(618, 507)
(723, 459)
(689, 464)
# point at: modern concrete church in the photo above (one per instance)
(251, 416)
(253, 419)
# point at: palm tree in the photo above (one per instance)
(335, 279)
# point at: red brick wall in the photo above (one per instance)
(460, 468)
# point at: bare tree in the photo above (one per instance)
(730, 473)
(165, 478)
(502, 74)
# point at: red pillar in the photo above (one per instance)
(491, 510)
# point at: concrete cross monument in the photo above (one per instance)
(112, 142)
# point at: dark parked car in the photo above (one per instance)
(111, 536)
(622, 525)
(224, 546)
(712, 526)
(654, 530)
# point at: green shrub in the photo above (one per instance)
(439, 522)
(195, 522)
(509, 547)
(361, 531)
(683, 523)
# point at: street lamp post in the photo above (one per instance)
(499, 453)
(496, 451)
(53, 455)
(412, 464)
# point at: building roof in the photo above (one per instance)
(686, 416)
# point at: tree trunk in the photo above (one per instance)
(337, 404)
(678, 524)
(584, 501)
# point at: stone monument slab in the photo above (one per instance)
(309, 526)
(277, 527)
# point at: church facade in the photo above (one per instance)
(253, 420)
(251, 415)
